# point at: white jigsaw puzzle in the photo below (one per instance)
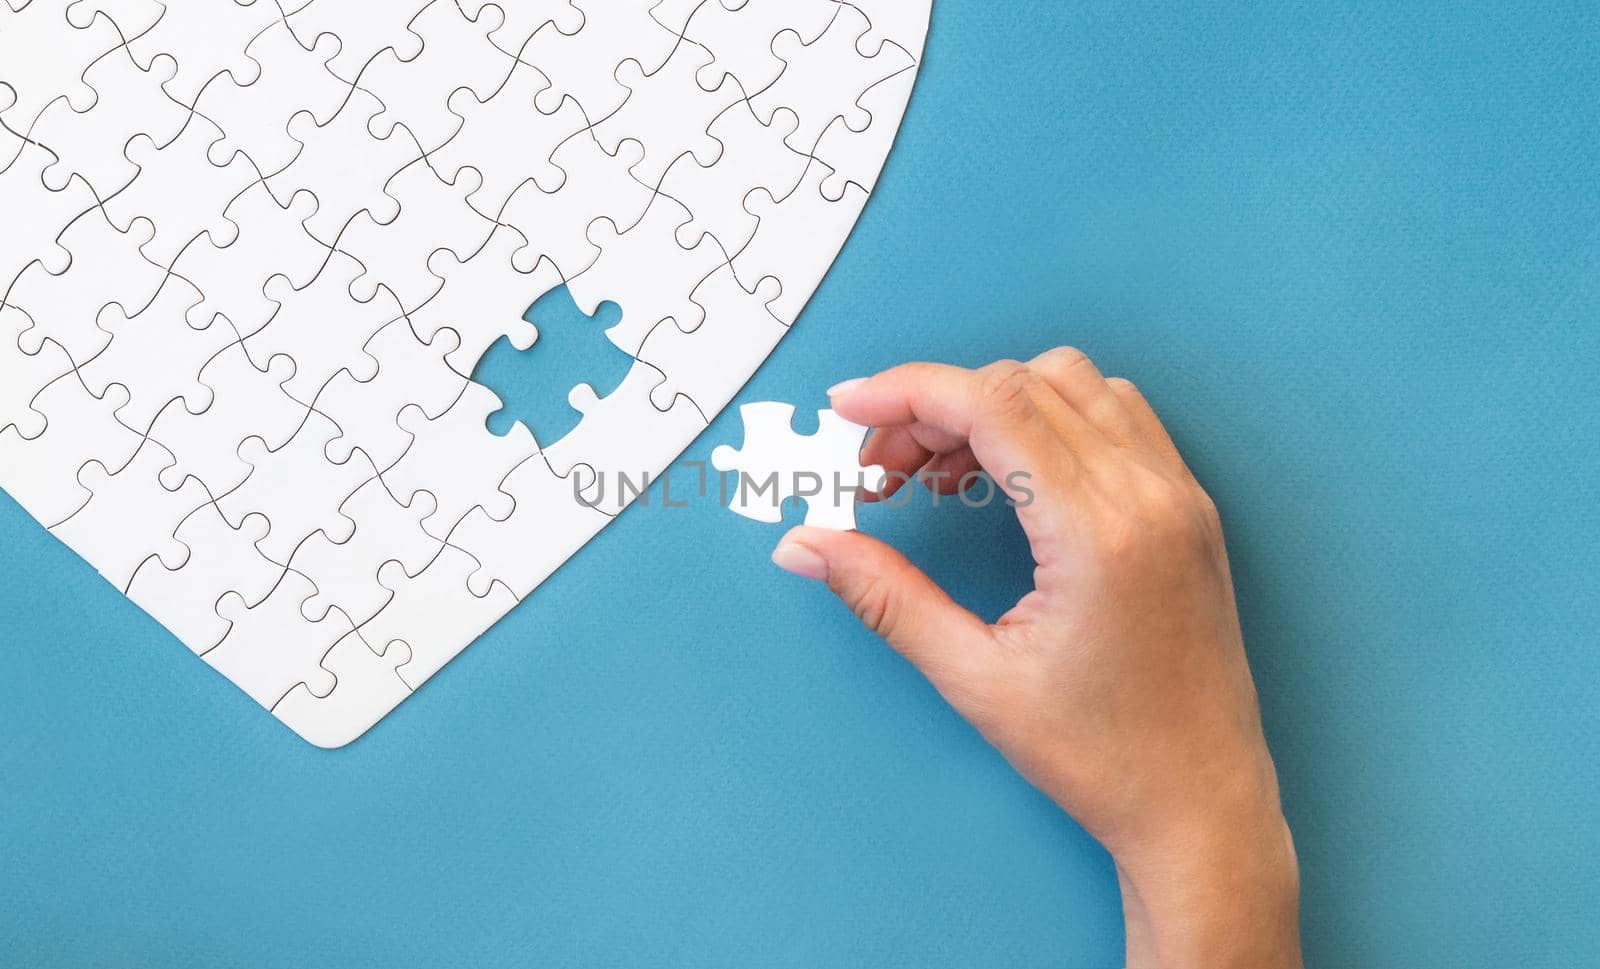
(252, 250)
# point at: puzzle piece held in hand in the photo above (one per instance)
(777, 464)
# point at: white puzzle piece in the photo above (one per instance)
(346, 573)
(776, 464)
(180, 191)
(523, 550)
(367, 684)
(46, 56)
(221, 559)
(157, 355)
(555, 221)
(255, 249)
(253, 117)
(129, 516)
(252, 404)
(623, 440)
(92, 144)
(297, 488)
(412, 619)
(206, 39)
(739, 36)
(41, 472)
(271, 647)
(108, 266)
(37, 216)
(735, 331)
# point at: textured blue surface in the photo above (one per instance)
(1352, 256)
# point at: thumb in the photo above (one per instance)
(896, 600)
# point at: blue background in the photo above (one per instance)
(1353, 258)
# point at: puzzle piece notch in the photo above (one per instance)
(272, 241)
(668, 112)
(905, 25)
(595, 185)
(24, 375)
(504, 134)
(322, 327)
(824, 469)
(108, 267)
(36, 216)
(410, 373)
(45, 56)
(362, 29)
(857, 157)
(582, 66)
(132, 18)
(434, 215)
(515, 21)
(784, 243)
(343, 182)
(739, 37)
(751, 155)
(483, 297)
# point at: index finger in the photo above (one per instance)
(1010, 417)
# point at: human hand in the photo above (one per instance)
(1119, 685)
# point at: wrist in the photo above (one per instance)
(1217, 893)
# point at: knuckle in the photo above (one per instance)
(1067, 358)
(1123, 387)
(1210, 519)
(1068, 364)
(1008, 386)
(1186, 512)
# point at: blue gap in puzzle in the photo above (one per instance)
(533, 384)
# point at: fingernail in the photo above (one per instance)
(845, 386)
(800, 560)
